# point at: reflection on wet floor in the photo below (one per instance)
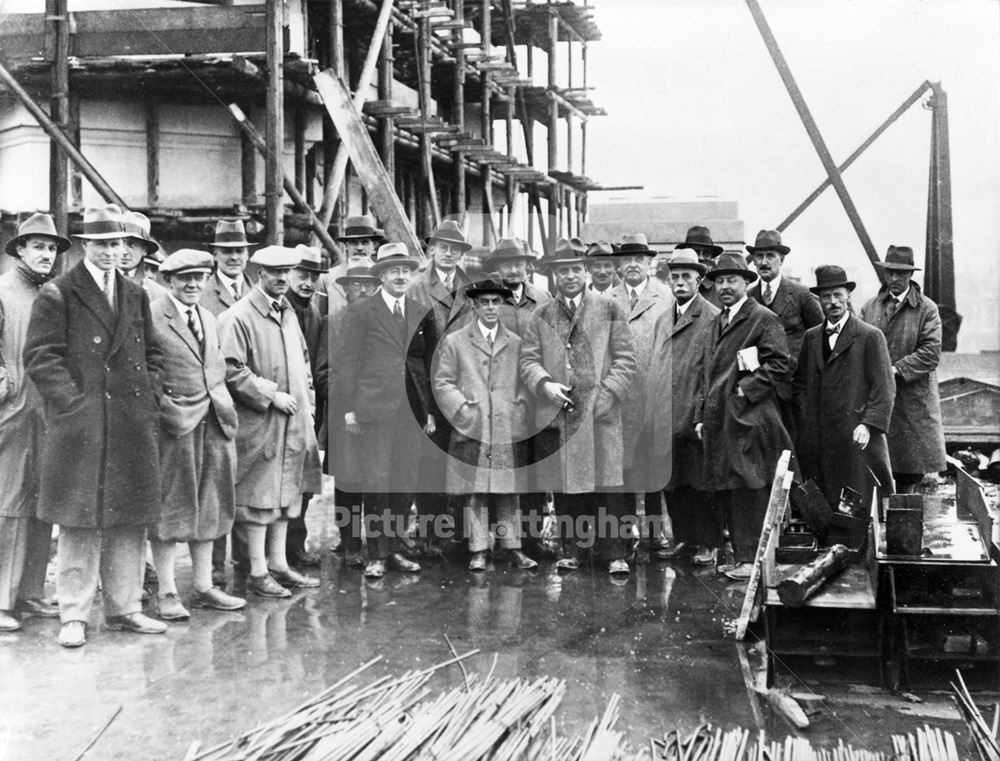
(657, 640)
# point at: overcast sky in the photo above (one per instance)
(696, 108)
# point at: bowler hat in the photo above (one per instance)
(230, 233)
(310, 259)
(731, 264)
(359, 268)
(698, 237)
(360, 228)
(768, 240)
(832, 276)
(898, 258)
(506, 249)
(276, 257)
(634, 244)
(38, 225)
(137, 226)
(187, 260)
(392, 255)
(105, 223)
(488, 286)
(449, 231)
(686, 259)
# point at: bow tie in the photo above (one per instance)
(832, 330)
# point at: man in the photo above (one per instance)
(699, 238)
(360, 239)
(267, 372)
(739, 422)
(197, 430)
(24, 540)
(383, 389)
(680, 339)
(578, 360)
(912, 327)
(440, 290)
(478, 391)
(644, 300)
(230, 282)
(794, 304)
(342, 457)
(843, 396)
(92, 356)
(301, 296)
(138, 247)
(601, 266)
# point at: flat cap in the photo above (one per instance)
(187, 260)
(276, 256)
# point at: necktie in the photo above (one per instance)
(397, 312)
(108, 293)
(236, 290)
(768, 294)
(448, 281)
(724, 318)
(571, 306)
(195, 328)
(891, 307)
(632, 298)
(279, 307)
(489, 338)
(831, 334)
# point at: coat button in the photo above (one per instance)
(107, 368)
(107, 394)
(569, 346)
(137, 366)
(97, 339)
(136, 392)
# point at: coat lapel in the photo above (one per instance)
(741, 315)
(224, 294)
(179, 325)
(691, 314)
(385, 318)
(92, 297)
(845, 339)
(128, 299)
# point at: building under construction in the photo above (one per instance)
(422, 108)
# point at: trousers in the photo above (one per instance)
(115, 556)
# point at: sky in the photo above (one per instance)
(696, 108)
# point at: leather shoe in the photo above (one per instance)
(73, 634)
(432, 551)
(679, 550)
(399, 563)
(292, 579)
(618, 566)
(137, 623)
(478, 561)
(218, 578)
(522, 561)
(353, 560)
(705, 556)
(375, 569)
(304, 559)
(171, 608)
(36, 606)
(8, 623)
(739, 572)
(567, 564)
(216, 599)
(265, 586)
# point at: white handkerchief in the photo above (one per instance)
(747, 359)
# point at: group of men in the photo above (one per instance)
(193, 407)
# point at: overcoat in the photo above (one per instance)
(678, 355)
(592, 352)
(478, 390)
(198, 424)
(276, 454)
(656, 299)
(913, 333)
(832, 397)
(515, 314)
(341, 448)
(217, 297)
(798, 309)
(22, 411)
(743, 435)
(99, 373)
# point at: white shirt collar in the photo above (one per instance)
(639, 289)
(736, 307)
(98, 274)
(271, 300)
(577, 300)
(391, 301)
(488, 333)
(682, 308)
(902, 297)
(183, 308)
(518, 293)
(443, 276)
(774, 285)
(229, 281)
(839, 323)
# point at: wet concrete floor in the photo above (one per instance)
(657, 640)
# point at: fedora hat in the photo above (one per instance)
(731, 264)
(138, 227)
(634, 244)
(698, 237)
(187, 260)
(360, 228)
(768, 240)
(392, 255)
(276, 257)
(898, 258)
(488, 286)
(104, 223)
(230, 233)
(38, 225)
(310, 259)
(449, 231)
(506, 249)
(600, 249)
(153, 259)
(686, 259)
(359, 268)
(567, 251)
(832, 276)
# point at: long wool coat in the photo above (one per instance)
(832, 397)
(198, 424)
(916, 436)
(98, 371)
(515, 314)
(743, 435)
(277, 455)
(656, 299)
(22, 410)
(679, 354)
(478, 390)
(217, 298)
(591, 351)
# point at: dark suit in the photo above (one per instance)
(835, 391)
(217, 297)
(382, 379)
